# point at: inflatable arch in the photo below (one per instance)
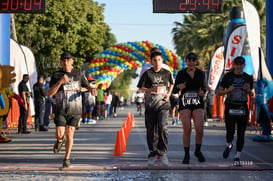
(108, 64)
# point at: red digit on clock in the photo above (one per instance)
(215, 3)
(5, 5)
(182, 6)
(14, 4)
(206, 3)
(193, 5)
(38, 3)
(27, 5)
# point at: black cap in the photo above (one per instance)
(65, 55)
(191, 56)
(239, 60)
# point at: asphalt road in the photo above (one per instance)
(30, 156)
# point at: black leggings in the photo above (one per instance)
(241, 121)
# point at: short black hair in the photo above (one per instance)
(192, 55)
(153, 54)
(25, 75)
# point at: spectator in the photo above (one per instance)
(115, 102)
(25, 95)
(39, 102)
(48, 102)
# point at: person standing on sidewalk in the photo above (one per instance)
(191, 81)
(25, 94)
(65, 87)
(39, 102)
(48, 103)
(157, 83)
(237, 85)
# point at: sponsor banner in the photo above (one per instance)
(235, 45)
(216, 68)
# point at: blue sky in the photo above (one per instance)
(135, 21)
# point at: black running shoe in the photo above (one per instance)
(66, 163)
(227, 151)
(237, 162)
(186, 159)
(58, 146)
(200, 156)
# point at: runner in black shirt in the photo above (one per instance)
(65, 87)
(237, 85)
(157, 83)
(192, 84)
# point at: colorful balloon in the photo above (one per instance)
(108, 64)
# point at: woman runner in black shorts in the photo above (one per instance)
(192, 84)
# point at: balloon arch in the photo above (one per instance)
(108, 64)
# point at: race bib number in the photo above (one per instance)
(237, 112)
(190, 98)
(74, 86)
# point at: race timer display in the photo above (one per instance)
(187, 6)
(22, 6)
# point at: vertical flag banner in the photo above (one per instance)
(269, 35)
(216, 68)
(253, 29)
(4, 39)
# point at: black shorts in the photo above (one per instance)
(63, 120)
(174, 102)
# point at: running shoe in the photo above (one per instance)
(186, 159)
(66, 163)
(164, 160)
(151, 160)
(58, 146)
(91, 121)
(227, 151)
(177, 121)
(237, 162)
(173, 122)
(84, 121)
(200, 156)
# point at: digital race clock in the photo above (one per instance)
(187, 6)
(22, 6)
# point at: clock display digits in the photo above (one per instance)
(183, 5)
(5, 4)
(38, 3)
(215, 3)
(206, 3)
(192, 5)
(14, 5)
(27, 5)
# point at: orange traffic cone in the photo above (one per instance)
(128, 124)
(132, 121)
(129, 116)
(125, 126)
(123, 140)
(118, 146)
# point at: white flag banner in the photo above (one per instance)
(216, 68)
(235, 45)
(253, 28)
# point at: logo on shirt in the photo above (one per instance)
(157, 80)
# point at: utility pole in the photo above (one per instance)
(13, 29)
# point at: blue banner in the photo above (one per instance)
(269, 35)
(5, 39)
